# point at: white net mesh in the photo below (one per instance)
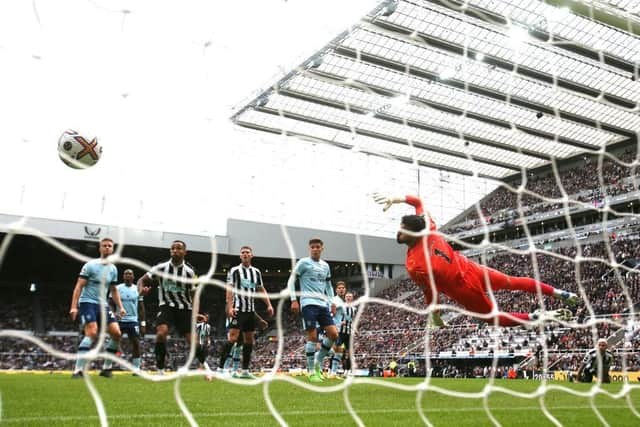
(515, 121)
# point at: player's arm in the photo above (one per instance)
(142, 315)
(414, 201)
(291, 285)
(75, 297)
(231, 312)
(330, 295)
(267, 301)
(262, 324)
(265, 295)
(115, 296)
(429, 298)
(145, 283)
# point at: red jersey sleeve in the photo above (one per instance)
(417, 203)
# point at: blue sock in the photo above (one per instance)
(310, 350)
(335, 361)
(136, 362)
(83, 347)
(112, 348)
(237, 352)
(325, 348)
(229, 360)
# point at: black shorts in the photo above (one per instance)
(246, 322)
(131, 329)
(344, 340)
(179, 319)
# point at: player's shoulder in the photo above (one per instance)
(93, 264)
(303, 262)
(190, 268)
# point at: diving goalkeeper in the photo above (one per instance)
(457, 277)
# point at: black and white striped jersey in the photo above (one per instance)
(349, 315)
(173, 288)
(203, 332)
(247, 280)
(591, 360)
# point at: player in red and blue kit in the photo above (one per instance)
(457, 277)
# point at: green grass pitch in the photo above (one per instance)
(57, 400)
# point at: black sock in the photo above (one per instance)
(201, 354)
(225, 353)
(161, 353)
(246, 355)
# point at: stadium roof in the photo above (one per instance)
(486, 87)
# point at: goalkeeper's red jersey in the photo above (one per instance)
(434, 253)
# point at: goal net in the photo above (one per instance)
(515, 121)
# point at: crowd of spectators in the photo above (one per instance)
(499, 206)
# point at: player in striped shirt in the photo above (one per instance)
(346, 329)
(596, 362)
(203, 337)
(336, 352)
(316, 295)
(175, 279)
(132, 324)
(244, 281)
(97, 278)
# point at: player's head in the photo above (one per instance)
(316, 246)
(415, 223)
(202, 318)
(602, 344)
(127, 276)
(178, 251)
(348, 297)
(106, 247)
(341, 289)
(246, 254)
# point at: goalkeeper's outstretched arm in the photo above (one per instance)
(414, 201)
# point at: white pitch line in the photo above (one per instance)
(262, 414)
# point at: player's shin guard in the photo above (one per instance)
(310, 350)
(246, 355)
(325, 347)
(237, 350)
(112, 348)
(85, 346)
(161, 354)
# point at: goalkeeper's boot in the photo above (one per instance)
(560, 314)
(569, 298)
(77, 374)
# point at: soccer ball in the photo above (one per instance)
(78, 151)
